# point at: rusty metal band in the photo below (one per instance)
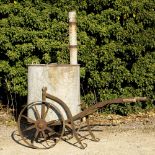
(72, 23)
(72, 46)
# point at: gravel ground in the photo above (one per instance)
(134, 137)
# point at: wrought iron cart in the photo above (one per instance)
(43, 131)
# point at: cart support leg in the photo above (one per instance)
(76, 136)
(89, 130)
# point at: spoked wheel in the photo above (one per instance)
(41, 125)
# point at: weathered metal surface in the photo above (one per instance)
(63, 81)
(72, 37)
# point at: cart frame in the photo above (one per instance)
(40, 124)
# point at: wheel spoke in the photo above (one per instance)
(51, 122)
(42, 110)
(45, 114)
(29, 119)
(35, 136)
(48, 143)
(50, 129)
(30, 128)
(36, 112)
(44, 135)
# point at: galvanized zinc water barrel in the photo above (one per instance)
(61, 80)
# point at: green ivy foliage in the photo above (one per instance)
(116, 45)
(30, 32)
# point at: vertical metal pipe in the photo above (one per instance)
(72, 37)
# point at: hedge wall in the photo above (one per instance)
(116, 46)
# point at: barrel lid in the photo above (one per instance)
(54, 65)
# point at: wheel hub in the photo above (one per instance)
(41, 124)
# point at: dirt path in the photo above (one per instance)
(126, 139)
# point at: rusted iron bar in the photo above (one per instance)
(94, 107)
(98, 105)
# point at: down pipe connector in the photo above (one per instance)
(72, 38)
